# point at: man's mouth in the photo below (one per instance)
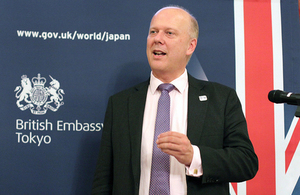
(159, 53)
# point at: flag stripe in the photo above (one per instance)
(239, 50)
(258, 81)
(292, 146)
(278, 84)
(239, 188)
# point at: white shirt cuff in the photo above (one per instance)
(195, 169)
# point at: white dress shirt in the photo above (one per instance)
(178, 116)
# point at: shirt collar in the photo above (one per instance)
(180, 83)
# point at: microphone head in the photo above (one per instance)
(274, 96)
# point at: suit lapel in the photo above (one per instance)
(136, 106)
(197, 106)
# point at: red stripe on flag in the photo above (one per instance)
(259, 81)
(234, 186)
(291, 148)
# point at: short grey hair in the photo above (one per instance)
(194, 31)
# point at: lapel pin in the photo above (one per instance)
(202, 98)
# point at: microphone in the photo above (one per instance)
(278, 96)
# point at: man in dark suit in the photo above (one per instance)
(208, 143)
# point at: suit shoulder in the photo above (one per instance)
(129, 91)
(220, 86)
(209, 85)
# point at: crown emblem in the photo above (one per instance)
(38, 98)
(38, 81)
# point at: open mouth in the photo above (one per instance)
(159, 53)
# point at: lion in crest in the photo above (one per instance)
(25, 93)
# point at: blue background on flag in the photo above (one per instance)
(291, 49)
(89, 71)
(291, 59)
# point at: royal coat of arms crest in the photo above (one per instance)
(39, 98)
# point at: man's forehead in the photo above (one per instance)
(171, 15)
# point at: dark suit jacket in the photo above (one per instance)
(217, 126)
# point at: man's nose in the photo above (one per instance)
(159, 38)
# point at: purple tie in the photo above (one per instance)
(160, 169)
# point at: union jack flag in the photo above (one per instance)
(267, 48)
(267, 56)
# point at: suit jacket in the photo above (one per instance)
(217, 126)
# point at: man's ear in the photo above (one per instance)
(192, 46)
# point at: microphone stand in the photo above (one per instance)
(297, 113)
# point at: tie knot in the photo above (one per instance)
(166, 86)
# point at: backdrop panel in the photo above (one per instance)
(61, 60)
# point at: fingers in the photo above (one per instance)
(177, 145)
(172, 141)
